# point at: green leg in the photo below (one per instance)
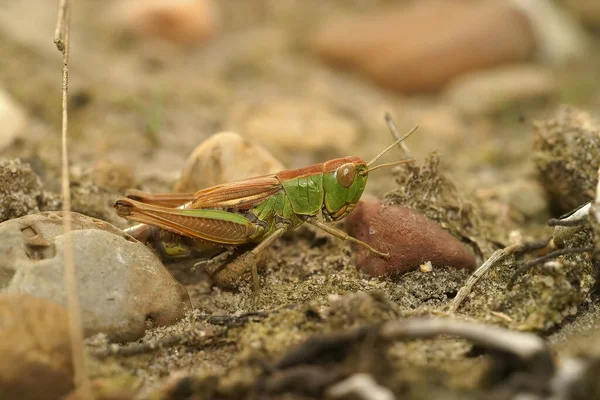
(259, 248)
(344, 236)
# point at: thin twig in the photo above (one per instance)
(521, 344)
(139, 348)
(61, 32)
(233, 320)
(82, 384)
(392, 126)
(541, 260)
(566, 222)
(189, 338)
(497, 256)
(479, 272)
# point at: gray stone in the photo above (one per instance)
(13, 120)
(123, 287)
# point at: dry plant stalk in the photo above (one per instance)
(82, 384)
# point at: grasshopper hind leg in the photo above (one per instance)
(277, 233)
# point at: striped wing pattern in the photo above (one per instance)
(210, 225)
(243, 194)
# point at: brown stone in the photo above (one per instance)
(410, 238)
(586, 10)
(35, 349)
(423, 46)
(181, 21)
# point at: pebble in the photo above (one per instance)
(298, 125)
(225, 157)
(560, 40)
(566, 155)
(587, 11)
(518, 200)
(123, 287)
(410, 238)
(112, 176)
(488, 92)
(421, 47)
(190, 22)
(20, 189)
(35, 349)
(13, 120)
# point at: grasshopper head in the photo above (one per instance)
(344, 181)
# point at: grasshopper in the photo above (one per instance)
(259, 210)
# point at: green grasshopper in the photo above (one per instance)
(219, 219)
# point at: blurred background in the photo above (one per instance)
(308, 80)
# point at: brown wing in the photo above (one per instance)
(243, 194)
(160, 199)
(220, 227)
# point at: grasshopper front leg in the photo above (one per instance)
(344, 236)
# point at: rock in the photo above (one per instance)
(20, 189)
(444, 203)
(123, 287)
(298, 125)
(491, 91)
(35, 349)
(13, 120)
(190, 22)
(225, 157)
(441, 121)
(560, 40)
(567, 157)
(423, 46)
(516, 201)
(587, 10)
(94, 200)
(113, 176)
(410, 238)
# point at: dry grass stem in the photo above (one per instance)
(82, 385)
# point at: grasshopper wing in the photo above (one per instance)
(216, 226)
(160, 199)
(243, 194)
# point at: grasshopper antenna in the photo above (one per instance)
(398, 141)
(392, 164)
(390, 123)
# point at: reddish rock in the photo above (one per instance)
(182, 21)
(410, 238)
(423, 46)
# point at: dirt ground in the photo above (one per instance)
(142, 107)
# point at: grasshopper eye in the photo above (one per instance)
(345, 174)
